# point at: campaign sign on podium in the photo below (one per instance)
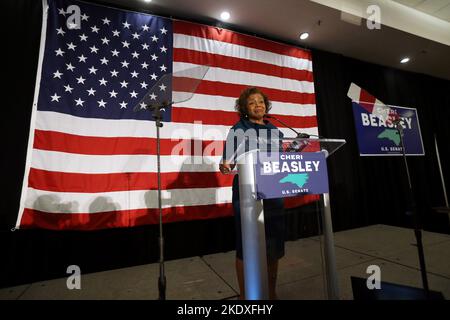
(291, 174)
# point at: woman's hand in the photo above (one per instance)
(225, 167)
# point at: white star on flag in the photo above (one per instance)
(79, 102)
(123, 105)
(101, 104)
(55, 97)
(57, 74)
(80, 79)
(92, 70)
(144, 85)
(68, 88)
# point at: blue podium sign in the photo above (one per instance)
(291, 174)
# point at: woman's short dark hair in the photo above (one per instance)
(241, 102)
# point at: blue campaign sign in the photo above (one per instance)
(291, 174)
(377, 138)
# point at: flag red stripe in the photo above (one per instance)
(217, 117)
(214, 33)
(64, 142)
(119, 219)
(87, 183)
(366, 97)
(234, 90)
(367, 101)
(239, 64)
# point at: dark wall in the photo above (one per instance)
(364, 191)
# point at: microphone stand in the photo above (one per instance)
(299, 135)
(294, 146)
(191, 79)
(162, 277)
(417, 230)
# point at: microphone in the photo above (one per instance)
(152, 106)
(299, 134)
(294, 145)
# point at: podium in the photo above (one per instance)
(297, 167)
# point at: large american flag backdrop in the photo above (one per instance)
(91, 161)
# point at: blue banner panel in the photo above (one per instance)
(377, 138)
(291, 174)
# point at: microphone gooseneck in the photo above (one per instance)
(299, 134)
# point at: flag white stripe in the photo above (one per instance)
(80, 163)
(354, 92)
(209, 102)
(237, 51)
(249, 78)
(66, 202)
(59, 122)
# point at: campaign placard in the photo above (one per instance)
(378, 138)
(291, 174)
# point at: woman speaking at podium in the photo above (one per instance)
(252, 105)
